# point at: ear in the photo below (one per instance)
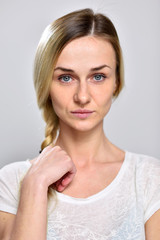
(49, 96)
(115, 88)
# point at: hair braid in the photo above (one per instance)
(52, 125)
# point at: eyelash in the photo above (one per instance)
(99, 74)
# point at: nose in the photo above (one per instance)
(82, 95)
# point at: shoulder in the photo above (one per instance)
(146, 176)
(15, 165)
(141, 161)
(14, 171)
(145, 170)
(11, 176)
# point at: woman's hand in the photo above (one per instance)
(53, 167)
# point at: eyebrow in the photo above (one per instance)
(92, 69)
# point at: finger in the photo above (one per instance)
(61, 184)
(60, 188)
(65, 181)
(58, 183)
(46, 149)
(50, 148)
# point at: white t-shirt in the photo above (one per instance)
(118, 212)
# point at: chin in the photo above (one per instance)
(80, 125)
(85, 126)
(82, 128)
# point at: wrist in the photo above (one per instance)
(34, 184)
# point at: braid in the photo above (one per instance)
(52, 125)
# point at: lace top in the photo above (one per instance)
(118, 212)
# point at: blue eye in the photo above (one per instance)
(99, 77)
(65, 78)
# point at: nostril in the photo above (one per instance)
(82, 95)
(81, 98)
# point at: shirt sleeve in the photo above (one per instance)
(10, 187)
(152, 188)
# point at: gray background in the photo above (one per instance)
(133, 122)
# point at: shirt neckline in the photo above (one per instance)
(106, 190)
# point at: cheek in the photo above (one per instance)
(104, 97)
(104, 102)
(59, 101)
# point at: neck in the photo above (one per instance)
(84, 147)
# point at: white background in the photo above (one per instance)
(133, 122)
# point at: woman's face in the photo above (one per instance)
(84, 79)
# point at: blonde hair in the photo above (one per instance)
(55, 37)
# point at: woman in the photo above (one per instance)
(96, 190)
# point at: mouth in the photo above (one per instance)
(82, 113)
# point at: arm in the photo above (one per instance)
(152, 227)
(6, 225)
(31, 220)
(52, 166)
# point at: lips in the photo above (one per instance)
(82, 113)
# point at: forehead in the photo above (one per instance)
(88, 50)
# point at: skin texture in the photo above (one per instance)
(82, 90)
(83, 156)
(75, 86)
(152, 227)
(50, 167)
